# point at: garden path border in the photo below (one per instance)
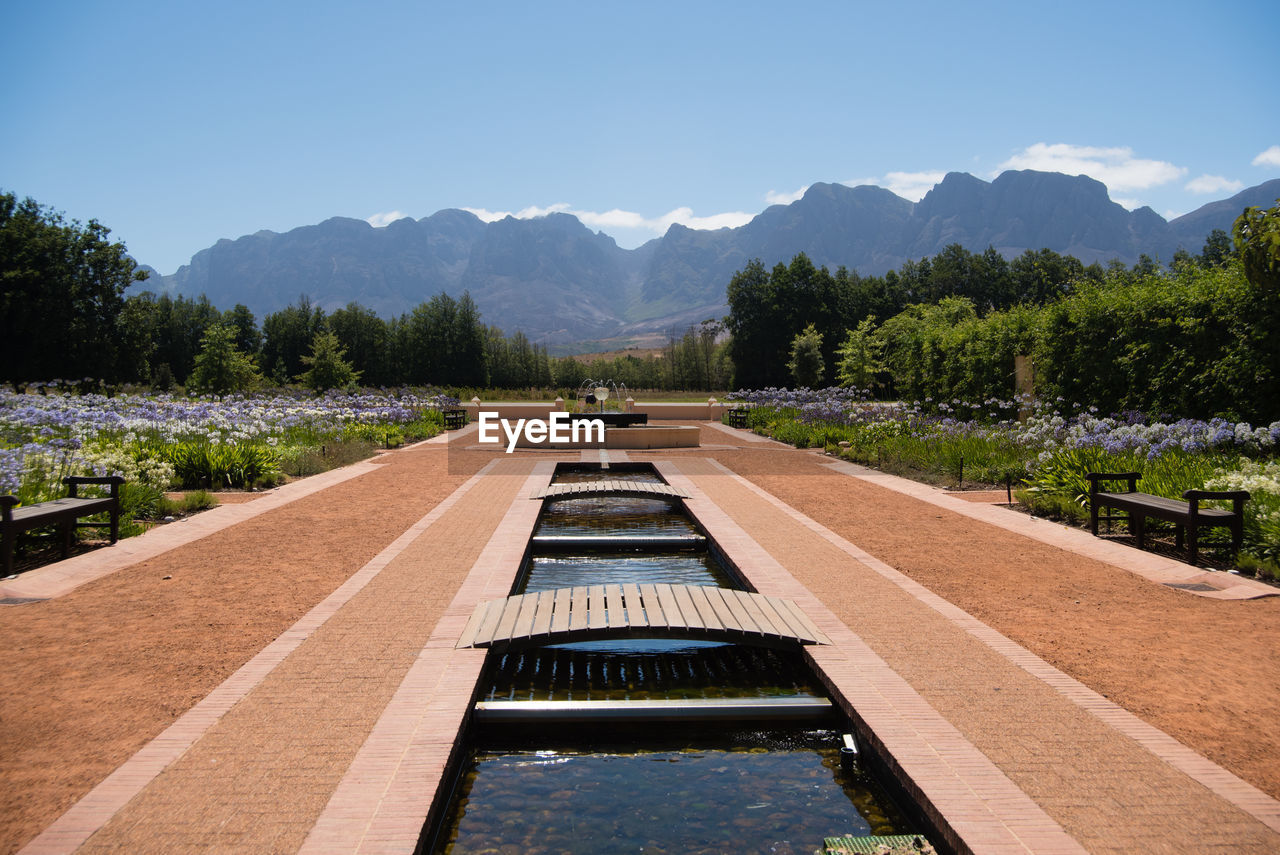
(1217, 779)
(1148, 565)
(62, 577)
(96, 808)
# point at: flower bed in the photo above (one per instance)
(159, 441)
(1046, 453)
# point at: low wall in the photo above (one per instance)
(635, 437)
(697, 411)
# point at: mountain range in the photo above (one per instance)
(561, 284)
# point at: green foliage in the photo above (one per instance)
(1263, 568)
(1195, 342)
(1262, 511)
(807, 366)
(939, 458)
(61, 296)
(366, 339)
(769, 309)
(300, 461)
(190, 502)
(1052, 505)
(220, 367)
(205, 464)
(1257, 239)
(327, 367)
(287, 336)
(166, 333)
(859, 357)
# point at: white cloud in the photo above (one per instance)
(1115, 167)
(913, 185)
(862, 182)
(1270, 157)
(685, 217)
(773, 197)
(1214, 184)
(909, 185)
(1127, 204)
(385, 219)
(486, 215)
(619, 219)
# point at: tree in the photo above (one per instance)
(859, 357)
(751, 306)
(806, 365)
(1218, 249)
(248, 338)
(470, 367)
(366, 338)
(1257, 239)
(327, 366)
(61, 294)
(287, 336)
(220, 366)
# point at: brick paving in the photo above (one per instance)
(252, 770)
(1086, 764)
(334, 738)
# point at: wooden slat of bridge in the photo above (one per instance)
(621, 610)
(585, 489)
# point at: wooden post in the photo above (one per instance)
(1024, 382)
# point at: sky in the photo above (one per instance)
(177, 124)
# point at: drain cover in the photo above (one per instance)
(1190, 586)
(892, 845)
(17, 601)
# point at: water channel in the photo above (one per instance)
(623, 785)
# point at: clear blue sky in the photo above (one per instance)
(177, 124)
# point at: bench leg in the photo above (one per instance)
(1193, 553)
(1138, 525)
(1177, 537)
(6, 550)
(115, 523)
(1093, 518)
(67, 528)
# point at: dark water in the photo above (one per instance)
(742, 793)
(638, 669)
(547, 572)
(600, 515)
(578, 474)
(670, 788)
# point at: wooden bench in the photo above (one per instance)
(63, 513)
(1186, 515)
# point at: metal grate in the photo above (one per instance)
(896, 844)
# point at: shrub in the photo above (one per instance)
(1262, 511)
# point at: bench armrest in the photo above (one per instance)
(7, 504)
(74, 481)
(1236, 497)
(1095, 477)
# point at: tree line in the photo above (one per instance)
(1195, 338)
(64, 314)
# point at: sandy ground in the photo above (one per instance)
(92, 676)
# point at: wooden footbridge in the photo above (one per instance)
(639, 610)
(592, 489)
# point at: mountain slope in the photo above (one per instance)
(559, 282)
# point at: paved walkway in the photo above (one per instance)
(334, 738)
